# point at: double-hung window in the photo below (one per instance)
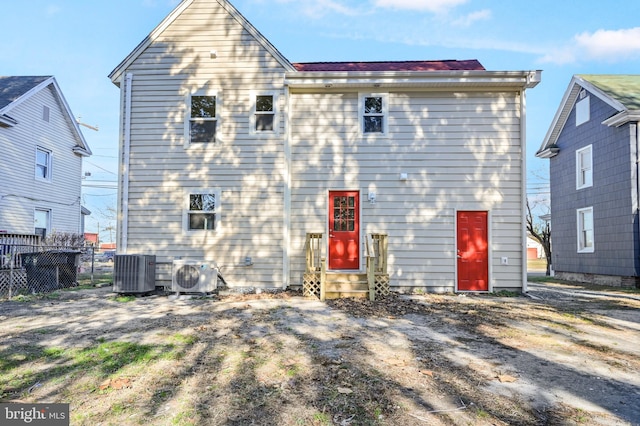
(584, 168)
(43, 164)
(374, 114)
(202, 210)
(585, 230)
(203, 118)
(264, 114)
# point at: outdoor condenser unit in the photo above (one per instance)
(134, 273)
(193, 276)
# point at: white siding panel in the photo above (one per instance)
(246, 168)
(460, 151)
(21, 192)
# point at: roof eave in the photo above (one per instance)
(622, 118)
(6, 121)
(389, 79)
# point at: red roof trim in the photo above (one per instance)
(447, 65)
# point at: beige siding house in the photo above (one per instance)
(41, 164)
(232, 155)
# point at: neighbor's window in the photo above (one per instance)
(584, 168)
(265, 113)
(202, 211)
(585, 230)
(374, 114)
(203, 119)
(41, 222)
(43, 164)
(582, 110)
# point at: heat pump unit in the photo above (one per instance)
(191, 276)
(134, 273)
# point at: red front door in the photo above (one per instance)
(344, 230)
(473, 257)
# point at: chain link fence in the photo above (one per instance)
(30, 269)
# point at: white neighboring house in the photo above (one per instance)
(231, 154)
(41, 162)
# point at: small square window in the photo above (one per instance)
(202, 119)
(43, 164)
(202, 211)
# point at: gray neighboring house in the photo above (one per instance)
(593, 146)
(41, 165)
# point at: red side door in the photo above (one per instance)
(473, 256)
(344, 230)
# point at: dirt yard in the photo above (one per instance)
(565, 355)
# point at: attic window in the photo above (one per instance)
(582, 110)
(45, 113)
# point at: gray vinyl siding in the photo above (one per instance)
(21, 193)
(246, 168)
(615, 221)
(461, 151)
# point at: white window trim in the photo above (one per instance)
(579, 227)
(583, 110)
(276, 113)
(385, 114)
(48, 224)
(187, 118)
(185, 212)
(579, 167)
(49, 165)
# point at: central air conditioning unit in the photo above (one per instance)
(134, 273)
(192, 276)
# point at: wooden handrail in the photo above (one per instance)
(313, 248)
(380, 252)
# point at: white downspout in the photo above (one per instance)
(635, 131)
(523, 159)
(125, 162)
(286, 252)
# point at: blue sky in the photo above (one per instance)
(80, 42)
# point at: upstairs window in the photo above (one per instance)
(201, 214)
(45, 113)
(585, 230)
(203, 119)
(583, 109)
(374, 114)
(584, 168)
(43, 164)
(265, 113)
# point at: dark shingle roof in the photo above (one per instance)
(447, 65)
(11, 88)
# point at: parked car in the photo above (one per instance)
(106, 256)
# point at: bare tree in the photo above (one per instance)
(541, 232)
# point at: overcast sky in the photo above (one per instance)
(81, 42)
